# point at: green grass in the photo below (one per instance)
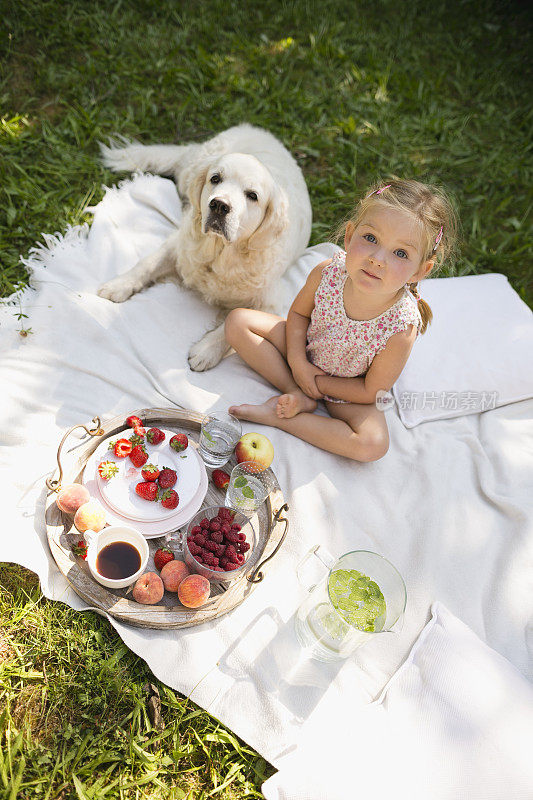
(358, 91)
(436, 91)
(74, 720)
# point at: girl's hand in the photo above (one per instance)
(304, 373)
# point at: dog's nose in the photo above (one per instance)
(219, 206)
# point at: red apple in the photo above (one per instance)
(255, 447)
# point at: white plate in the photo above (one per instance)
(119, 492)
(151, 530)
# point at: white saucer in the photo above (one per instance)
(151, 530)
(119, 492)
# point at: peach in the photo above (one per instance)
(193, 591)
(71, 497)
(149, 589)
(90, 517)
(173, 573)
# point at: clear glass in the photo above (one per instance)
(249, 486)
(219, 434)
(321, 629)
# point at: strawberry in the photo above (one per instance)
(148, 490)
(150, 472)
(220, 478)
(162, 557)
(179, 442)
(121, 448)
(138, 456)
(107, 470)
(167, 478)
(155, 436)
(136, 424)
(80, 549)
(136, 439)
(169, 499)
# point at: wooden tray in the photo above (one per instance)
(117, 603)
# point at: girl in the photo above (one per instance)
(351, 328)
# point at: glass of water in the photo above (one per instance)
(249, 486)
(219, 434)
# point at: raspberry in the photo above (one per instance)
(196, 529)
(221, 549)
(217, 537)
(223, 512)
(224, 563)
(232, 537)
(244, 547)
(199, 539)
(214, 525)
(242, 537)
(209, 559)
(230, 552)
(225, 528)
(204, 523)
(235, 527)
(240, 559)
(194, 549)
(215, 561)
(211, 546)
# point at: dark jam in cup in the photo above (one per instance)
(118, 560)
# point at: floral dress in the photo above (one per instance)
(346, 347)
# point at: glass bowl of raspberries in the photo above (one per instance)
(219, 543)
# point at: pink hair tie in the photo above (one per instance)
(378, 191)
(437, 240)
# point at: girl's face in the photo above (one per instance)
(384, 251)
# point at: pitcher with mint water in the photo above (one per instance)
(350, 601)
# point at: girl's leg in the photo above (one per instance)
(356, 431)
(260, 340)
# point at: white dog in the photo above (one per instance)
(248, 218)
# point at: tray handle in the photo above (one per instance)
(55, 485)
(256, 576)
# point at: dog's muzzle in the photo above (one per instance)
(216, 220)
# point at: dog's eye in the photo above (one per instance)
(215, 178)
(252, 196)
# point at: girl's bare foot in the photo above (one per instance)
(292, 403)
(265, 413)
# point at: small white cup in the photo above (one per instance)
(115, 533)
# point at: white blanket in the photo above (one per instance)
(455, 721)
(449, 505)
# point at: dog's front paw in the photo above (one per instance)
(116, 290)
(207, 352)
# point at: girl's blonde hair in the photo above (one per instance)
(432, 207)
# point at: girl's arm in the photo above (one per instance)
(384, 370)
(299, 317)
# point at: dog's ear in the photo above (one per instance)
(195, 184)
(274, 222)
